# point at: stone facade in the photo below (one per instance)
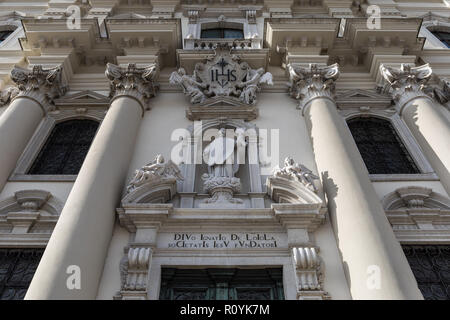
(225, 151)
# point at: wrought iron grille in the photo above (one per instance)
(381, 148)
(17, 267)
(431, 267)
(65, 148)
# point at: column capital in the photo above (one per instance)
(39, 84)
(131, 81)
(407, 82)
(308, 83)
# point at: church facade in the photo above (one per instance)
(232, 149)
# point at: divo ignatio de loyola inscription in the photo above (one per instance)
(260, 240)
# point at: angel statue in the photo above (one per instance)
(190, 85)
(298, 172)
(155, 170)
(251, 86)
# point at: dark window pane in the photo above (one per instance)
(443, 36)
(65, 148)
(381, 149)
(4, 34)
(220, 33)
(431, 267)
(17, 267)
(233, 33)
(211, 34)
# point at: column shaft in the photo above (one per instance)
(17, 125)
(81, 236)
(364, 235)
(432, 131)
(30, 101)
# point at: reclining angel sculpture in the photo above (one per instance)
(156, 170)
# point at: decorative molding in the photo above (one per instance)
(134, 270)
(40, 85)
(418, 215)
(309, 274)
(442, 93)
(27, 219)
(85, 98)
(7, 95)
(414, 197)
(312, 82)
(136, 83)
(362, 101)
(221, 108)
(407, 83)
(222, 77)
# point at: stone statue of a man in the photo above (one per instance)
(220, 155)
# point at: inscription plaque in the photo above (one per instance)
(222, 240)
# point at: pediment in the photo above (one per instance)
(86, 98)
(129, 15)
(415, 198)
(222, 101)
(360, 98)
(362, 94)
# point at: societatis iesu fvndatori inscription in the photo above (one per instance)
(222, 240)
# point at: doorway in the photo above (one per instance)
(221, 284)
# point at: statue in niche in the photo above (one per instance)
(223, 164)
(190, 85)
(156, 170)
(220, 155)
(297, 171)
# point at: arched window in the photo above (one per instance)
(65, 148)
(443, 36)
(381, 149)
(222, 33)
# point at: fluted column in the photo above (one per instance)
(422, 115)
(83, 232)
(29, 102)
(363, 234)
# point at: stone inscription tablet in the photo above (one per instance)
(225, 240)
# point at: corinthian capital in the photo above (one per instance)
(41, 85)
(312, 82)
(407, 82)
(131, 81)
